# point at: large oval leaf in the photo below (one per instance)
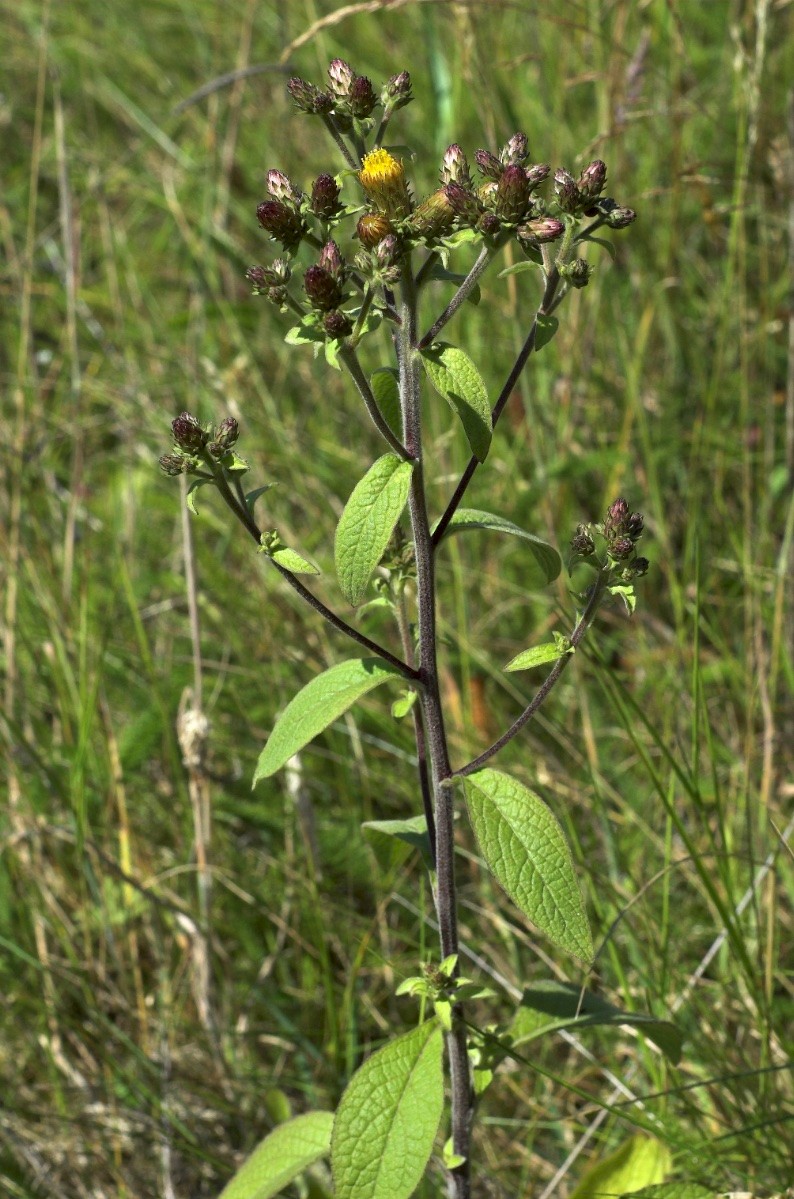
(368, 522)
(527, 853)
(388, 1118)
(315, 707)
(456, 378)
(283, 1154)
(544, 554)
(639, 1162)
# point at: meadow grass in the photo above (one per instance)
(183, 959)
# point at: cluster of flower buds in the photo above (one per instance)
(271, 281)
(621, 529)
(324, 283)
(582, 196)
(281, 215)
(193, 442)
(348, 98)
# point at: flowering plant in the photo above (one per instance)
(381, 1138)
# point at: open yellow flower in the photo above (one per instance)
(383, 178)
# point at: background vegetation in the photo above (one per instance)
(170, 984)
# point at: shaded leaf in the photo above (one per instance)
(385, 386)
(527, 853)
(639, 1162)
(544, 554)
(546, 327)
(190, 498)
(316, 706)
(283, 1154)
(456, 378)
(252, 496)
(388, 1118)
(673, 1190)
(368, 521)
(412, 832)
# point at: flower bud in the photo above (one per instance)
(512, 195)
(332, 261)
(434, 217)
(362, 98)
(324, 201)
(537, 173)
(488, 165)
(582, 542)
(397, 92)
(382, 177)
(280, 186)
(337, 325)
(174, 464)
(322, 288)
(621, 548)
(542, 229)
(455, 167)
(619, 218)
(340, 77)
(640, 567)
(387, 251)
(282, 222)
(188, 434)
(577, 272)
(592, 179)
(566, 191)
(372, 227)
(634, 525)
(226, 434)
(309, 98)
(263, 277)
(515, 151)
(617, 515)
(489, 224)
(464, 202)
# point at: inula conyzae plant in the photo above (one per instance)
(373, 252)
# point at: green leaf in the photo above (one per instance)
(306, 332)
(673, 1190)
(403, 704)
(456, 378)
(332, 349)
(283, 1154)
(526, 851)
(388, 1118)
(639, 1162)
(546, 327)
(539, 655)
(386, 390)
(440, 274)
(368, 521)
(412, 832)
(519, 268)
(192, 489)
(625, 592)
(291, 560)
(315, 707)
(252, 496)
(600, 241)
(544, 554)
(570, 1007)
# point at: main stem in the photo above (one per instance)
(433, 717)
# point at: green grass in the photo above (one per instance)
(127, 226)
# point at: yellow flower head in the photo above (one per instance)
(383, 179)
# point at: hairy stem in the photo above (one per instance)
(437, 750)
(419, 728)
(582, 625)
(245, 518)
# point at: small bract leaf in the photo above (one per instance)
(315, 707)
(386, 390)
(412, 831)
(191, 496)
(639, 1162)
(291, 560)
(456, 378)
(307, 331)
(283, 1154)
(402, 706)
(252, 496)
(519, 268)
(544, 554)
(388, 1118)
(527, 853)
(539, 655)
(368, 522)
(547, 326)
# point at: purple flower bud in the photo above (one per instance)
(282, 222)
(397, 92)
(322, 288)
(262, 278)
(188, 434)
(488, 165)
(512, 195)
(592, 179)
(340, 77)
(617, 515)
(324, 201)
(542, 229)
(640, 567)
(280, 187)
(362, 98)
(454, 167)
(309, 98)
(332, 262)
(489, 224)
(537, 173)
(566, 191)
(387, 251)
(226, 435)
(621, 548)
(582, 542)
(619, 218)
(174, 464)
(634, 524)
(337, 325)
(515, 151)
(464, 202)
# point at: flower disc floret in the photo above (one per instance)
(382, 177)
